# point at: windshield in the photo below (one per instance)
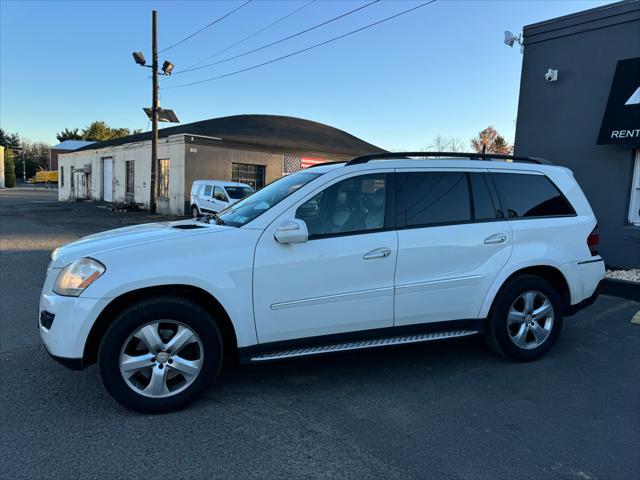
(254, 205)
(238, 193)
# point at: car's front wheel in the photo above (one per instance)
(525, 320)
(160, 354)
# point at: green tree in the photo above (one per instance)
(9, 140)
(9, 169)
(490, 141)
(99, 131)
(68, 134)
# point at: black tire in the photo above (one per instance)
(497, 334)
(195, 213)
(143, 312)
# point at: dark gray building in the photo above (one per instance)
(588, 118)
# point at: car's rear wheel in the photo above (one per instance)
(525, 320)
(160, 354)
(195, 213)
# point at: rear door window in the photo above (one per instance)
(432, 198)
(529, 195)
(207, 190)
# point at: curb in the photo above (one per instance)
(39, 189)
(621, 288)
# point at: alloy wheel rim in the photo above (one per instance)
(530, 319)
(161, 358)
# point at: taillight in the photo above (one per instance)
(593, 240)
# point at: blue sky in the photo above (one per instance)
(441, 69)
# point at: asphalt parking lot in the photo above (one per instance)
(441, 410)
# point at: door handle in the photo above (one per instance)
(377, 253)
(495, 238)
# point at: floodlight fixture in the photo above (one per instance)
(167, 66)
(139, 58)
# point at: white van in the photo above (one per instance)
(212, 196)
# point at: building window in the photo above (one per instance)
(129, 176)
(250, 174)
(72, 180)
(634, 203)
(62, 176)
(163, 178)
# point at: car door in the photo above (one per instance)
(219, 199)
(341, 278)
(204, 198)
(453, 241)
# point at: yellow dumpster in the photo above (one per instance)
(44, 176)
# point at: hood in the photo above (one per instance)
(129, 236)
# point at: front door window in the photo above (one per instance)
(355, 205)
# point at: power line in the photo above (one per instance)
(253, 34)
(205, 27)
(304, 49)
(277, 41)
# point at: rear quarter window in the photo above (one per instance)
(529, 196)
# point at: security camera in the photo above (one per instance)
(551, 75)
(510, 39)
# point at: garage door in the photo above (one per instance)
(107, 180)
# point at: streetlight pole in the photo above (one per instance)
(154, 114)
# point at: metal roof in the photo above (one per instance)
(288, 133)
(71, 145)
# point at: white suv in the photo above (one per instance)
(382, 250)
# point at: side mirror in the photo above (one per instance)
(291, 231)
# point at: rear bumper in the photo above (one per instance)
(573, 309)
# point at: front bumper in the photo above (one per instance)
(72, 320)
(71, 363)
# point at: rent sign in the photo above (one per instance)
(621, 121)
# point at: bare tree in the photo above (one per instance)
(446, 144)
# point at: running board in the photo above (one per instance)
(359, 345)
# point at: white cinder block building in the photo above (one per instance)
(253, 149)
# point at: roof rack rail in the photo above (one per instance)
(326, 163)
(470, 156)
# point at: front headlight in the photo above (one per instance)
(77, 276)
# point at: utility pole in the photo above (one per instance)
(154, 114)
